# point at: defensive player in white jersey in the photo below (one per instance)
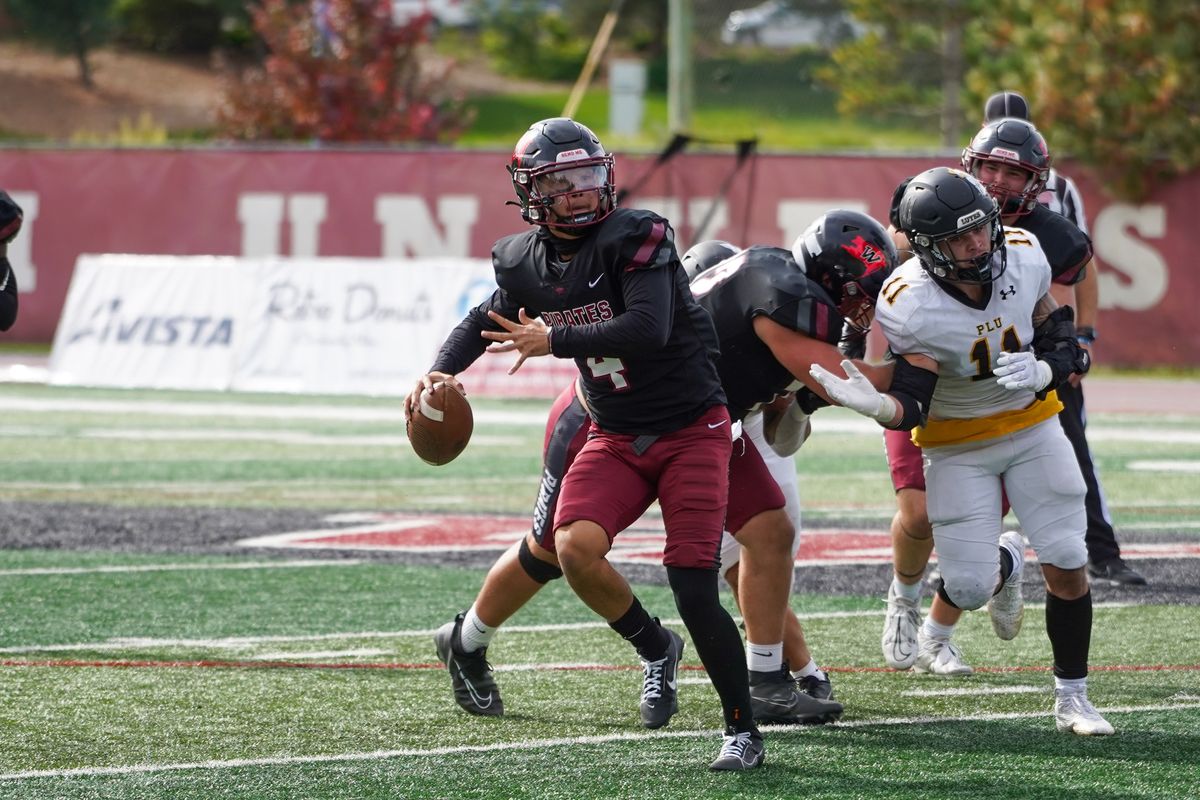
(979, 346)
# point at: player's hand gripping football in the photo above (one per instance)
(1022, 370)
(528, 335)
(855, 392)
(424, 384)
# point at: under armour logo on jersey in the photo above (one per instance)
(1007, 293)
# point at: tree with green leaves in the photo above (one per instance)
(1112, 82)
(340, 71)
(75, 27)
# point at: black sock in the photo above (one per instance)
(1006, 568)
(717, 641)
(1069, 625)
(645, 634)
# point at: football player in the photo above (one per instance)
(1011, 159)
(979, 345)
(1060, 195)
(770, 313)
(10, 225)
(602, 285)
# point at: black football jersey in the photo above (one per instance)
(621, 307)
(1067, 248)
(761, 281)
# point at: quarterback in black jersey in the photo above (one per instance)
(603, 285)
(767, 309)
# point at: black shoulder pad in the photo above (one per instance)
(1067, 248)
(511, 251)
(636, 239)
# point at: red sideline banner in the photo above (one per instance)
(395, 204)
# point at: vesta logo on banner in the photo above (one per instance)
(106, 324)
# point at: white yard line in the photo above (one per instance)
(339, 562)
(536, 744)
(243, 642)
(184, 408)
(977, 690)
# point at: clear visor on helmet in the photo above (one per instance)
(566, 179)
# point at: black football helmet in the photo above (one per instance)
(559, 157)
(944, 203)
(704, 255)
(849, 254)
(1017, 143)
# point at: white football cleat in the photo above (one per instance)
(940, 657)
(901, 625)
(1074, 714)
(1007, 607)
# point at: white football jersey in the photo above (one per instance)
(919, 316)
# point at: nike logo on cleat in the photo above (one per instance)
(478, 699)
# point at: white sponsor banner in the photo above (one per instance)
(306, 325)
(353, 326)
(150, 321)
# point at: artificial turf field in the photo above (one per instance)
(149, 651)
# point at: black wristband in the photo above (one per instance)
(1086, 334)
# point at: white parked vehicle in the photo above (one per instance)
(777, 24)
(445, 13)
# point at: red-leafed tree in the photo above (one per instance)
(340, 71)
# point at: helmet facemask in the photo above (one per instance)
(1011, 201)
(541, 187)
(936, 257)
(1012, 143)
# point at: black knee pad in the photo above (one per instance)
(534, 567)
(941, 592)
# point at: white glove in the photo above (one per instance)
(1022, 371)
(855, 393)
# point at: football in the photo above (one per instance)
(441, 427)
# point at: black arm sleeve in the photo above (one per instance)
(645, 324)
(464, 344)
(913, 389)
(8, 295)
(1054, 342)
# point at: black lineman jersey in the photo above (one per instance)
(1067, 248)
(761, 281)
(621, 308)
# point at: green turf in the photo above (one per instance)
(223, 706)
(391, 730)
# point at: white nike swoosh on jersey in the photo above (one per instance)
(592, 283)
(717, 424)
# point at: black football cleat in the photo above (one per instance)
(775, 697)
(813, 686)
(1116, 572)
(660, 696)
(475, 688)
(740, 751)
